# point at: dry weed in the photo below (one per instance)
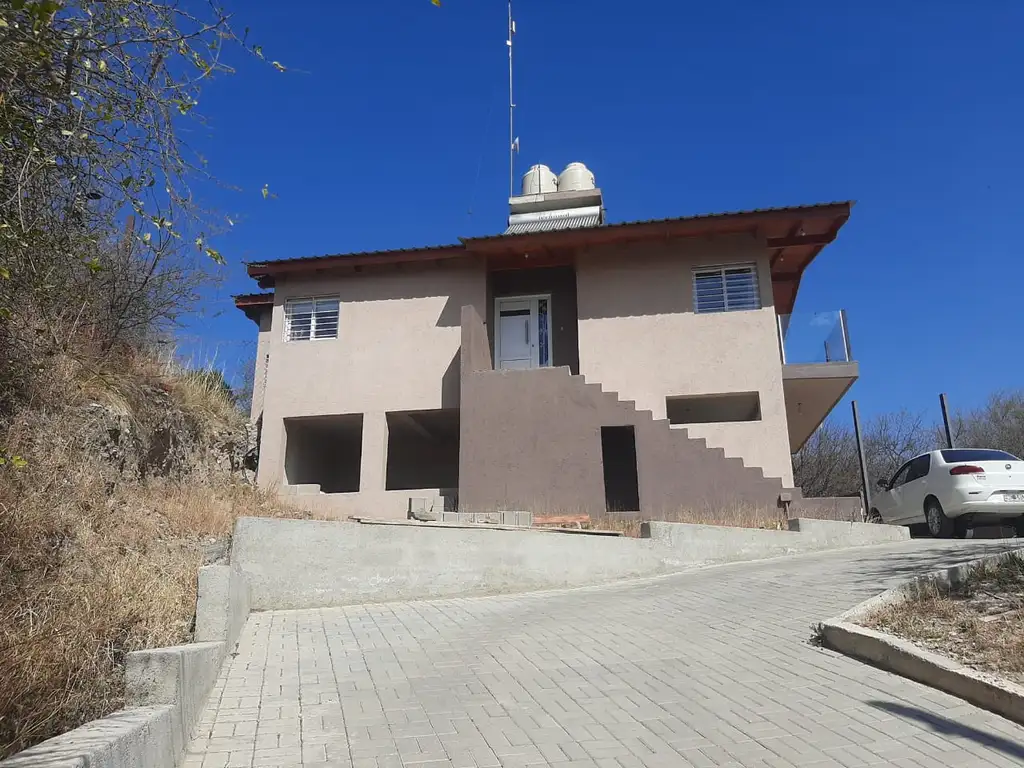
(92, 565)
(980, 623)
(737, 516)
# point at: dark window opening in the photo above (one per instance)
(709, 409)
(618, 454)
(423, 450)
(324, 451)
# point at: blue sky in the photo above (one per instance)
(390, 130)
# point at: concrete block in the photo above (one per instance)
(687, 544)
(222, 604)
(701, 544)
(837, 534)
(146, 737)
(182, 676)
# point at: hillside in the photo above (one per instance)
(121, 474)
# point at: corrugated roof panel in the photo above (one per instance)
(552, 225)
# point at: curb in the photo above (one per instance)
(902, 657)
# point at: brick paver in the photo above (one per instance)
(706, 668)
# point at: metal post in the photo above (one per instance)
(945, 419)
(863, 464)
(782, 340)
(846, 335)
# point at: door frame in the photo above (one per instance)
(497, 325)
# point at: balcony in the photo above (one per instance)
(817, 369)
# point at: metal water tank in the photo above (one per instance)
(575, 178)
(539, 180)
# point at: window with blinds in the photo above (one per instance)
(314, 318)
(726, 289)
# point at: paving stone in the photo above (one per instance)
(706, 668)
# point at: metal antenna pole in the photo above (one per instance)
(511, 108)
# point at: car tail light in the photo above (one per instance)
(967, 469)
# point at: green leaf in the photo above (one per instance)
(94, 265)
(5, 273)
(266, 191)
(214, 254)
(147, 237)
(258, 50)
(279, 66)
(18, 462)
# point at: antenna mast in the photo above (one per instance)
(513, 142)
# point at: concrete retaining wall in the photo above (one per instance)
(165, 689)
(310, 564)
(702, 544)
(223, 603)
(832, 534)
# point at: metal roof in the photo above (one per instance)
(357, 255)
(790, 209)
(552, 225)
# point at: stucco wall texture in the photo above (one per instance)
(399, 339)
(640, 337)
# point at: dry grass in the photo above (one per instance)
(981, 623)
(739, 516)
(92, 564)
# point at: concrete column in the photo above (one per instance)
(272, 447)
(373, 467)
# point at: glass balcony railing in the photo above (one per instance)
(821, 337)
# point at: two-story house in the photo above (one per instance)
(566, 365)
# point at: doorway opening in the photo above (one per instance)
(523, 336)
(621, 484)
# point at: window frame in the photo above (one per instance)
(892, 483)
(721, 270)
(914, 473)
(312, 317)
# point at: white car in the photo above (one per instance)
(953, 490)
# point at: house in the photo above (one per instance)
(565, 365)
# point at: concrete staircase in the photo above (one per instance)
(735, 468)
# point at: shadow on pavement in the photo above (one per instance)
(898, 565)
(949, 727)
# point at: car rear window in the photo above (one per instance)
(951, 456)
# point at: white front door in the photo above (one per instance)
(522, 337)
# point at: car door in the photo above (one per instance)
(889, 501)
(914, 490)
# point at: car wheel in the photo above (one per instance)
(874, 516)
(939, 526)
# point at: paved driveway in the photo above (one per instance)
(706, 668)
